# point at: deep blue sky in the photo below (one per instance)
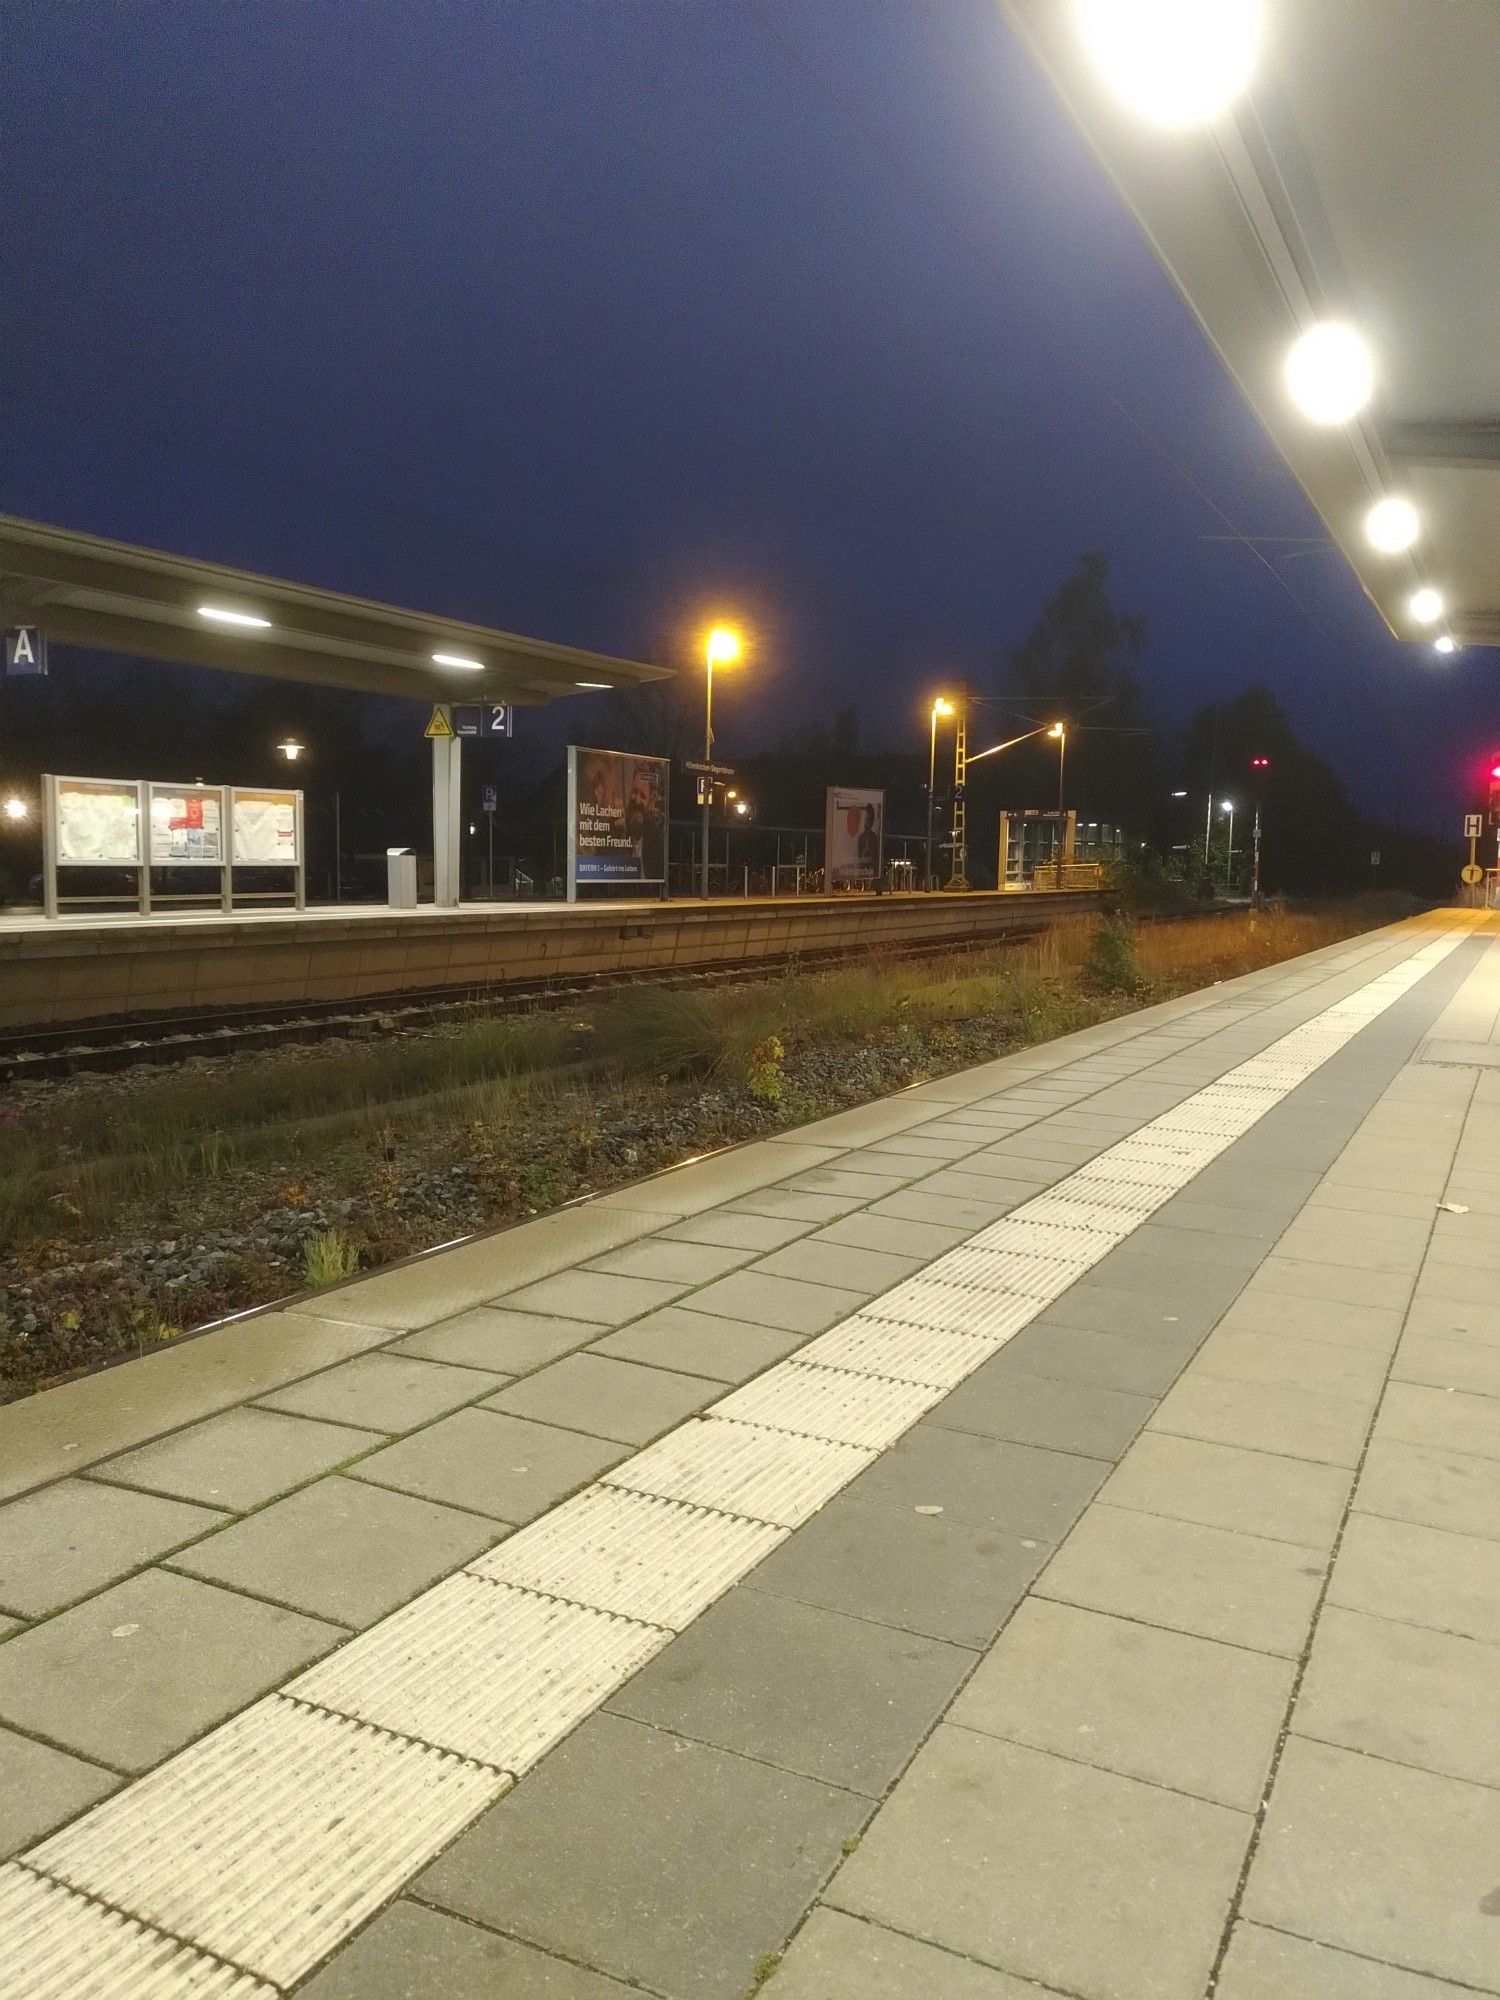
(588, 317)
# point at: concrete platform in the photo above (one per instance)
(93, 968)
(1084, 1580)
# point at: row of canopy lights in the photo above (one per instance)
(223, 614)
(1182, 63)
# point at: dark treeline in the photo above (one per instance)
(1078, 665)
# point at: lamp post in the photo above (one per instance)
(291, 748)
(1059, 731)
(723, 649)
(1227, 806)
(942, 706)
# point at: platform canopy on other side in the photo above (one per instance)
(1358, 180)
(84, 590)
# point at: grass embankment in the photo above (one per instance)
(136, 1205)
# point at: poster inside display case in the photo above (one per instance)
(265, 828)
(98, 822)
(187, 826)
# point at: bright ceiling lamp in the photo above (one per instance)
(222, 616)
(1425, 605)
(1176, 63)
(1445, 644)
(1329, 373)
(458, 660)
(1392, 525)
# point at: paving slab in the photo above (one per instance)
(793, 1205)
(1243, 1589)
(1450, 1419)
(1423, 1576)
(238, 1460)
(1441, 1489)
(1222, 1218)
(1016, 1489)
(736, 1231)
(1283, 1361)
(837, 1957)
(1269, 1965)
(491, 1464)
(413, 1953)
(1002, 1400)
(736, 1852)
(935, 1574)
(867, 1231)
(504, 1342)
(606, 1397)
(131, 1675)
(809, 1690)
(1344, 1284)
(60, 1543)
(1397, 1691)
(789, 1303)
(1380, 1859)
(1269, 1417)
(674, 1262)
(1449, 1364)
(1138, 1364)
(694, 1343)
(1373, 1329)
(41, 1787)
(1221, 1486)
(1178, 1711)
(383, 1392)
(823, 1263)
(995, 1850)
(1107, 1308)
(597, 1296)
(1446, 1319)
(341, 1549)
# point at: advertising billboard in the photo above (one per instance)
(617, 816)
(853, 837)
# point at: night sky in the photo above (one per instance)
(589, 318)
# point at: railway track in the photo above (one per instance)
(165, 1039)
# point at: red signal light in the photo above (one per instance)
(1260, 763)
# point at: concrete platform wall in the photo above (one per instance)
(75, 971)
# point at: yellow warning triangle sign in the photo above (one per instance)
(440, 724)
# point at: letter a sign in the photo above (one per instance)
(26, 650)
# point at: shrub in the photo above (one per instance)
(1111, 965)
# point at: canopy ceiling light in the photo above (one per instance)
(1425, 605)
(1329, 373)
(1392, 525)
(1446, 644)
(221, 616)
(458, 660)
(1176, 63)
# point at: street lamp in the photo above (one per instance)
(1059, 732)
(723, 650)
(942, 706)
(16, 810)
(290, 748)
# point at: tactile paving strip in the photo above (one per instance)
(57, 1945)
(658, 1561)
(769, 1475)
(492, 1672)
(270, 1840)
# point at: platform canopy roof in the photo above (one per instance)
(1359, 179)
(87, 591)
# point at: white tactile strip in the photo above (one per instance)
(255, 1852)
(64, 1947)
(657, 1561)
(492, 1672)
(272, 1838)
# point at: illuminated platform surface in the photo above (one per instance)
(1032, 1535)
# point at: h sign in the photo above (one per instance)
(26, 650)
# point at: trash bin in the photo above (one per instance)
(401, 877)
